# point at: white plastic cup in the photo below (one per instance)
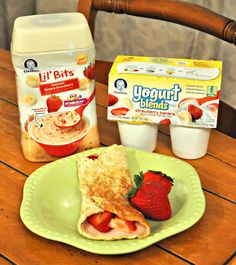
(142, 136)
(189, 142)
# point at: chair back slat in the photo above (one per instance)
(179, 12)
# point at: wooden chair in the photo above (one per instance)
(184, 13)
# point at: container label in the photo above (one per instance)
(51, 87)
(164, 90)
(58, 87)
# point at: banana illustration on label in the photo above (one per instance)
(85, 83)
(32, 81)
(29, 100)
(185, 116)
(127, 102)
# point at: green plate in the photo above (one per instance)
(51, 202)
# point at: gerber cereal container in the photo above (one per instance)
(53, 57)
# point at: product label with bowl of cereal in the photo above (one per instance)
(54, 64)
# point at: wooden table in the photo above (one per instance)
(211, 241)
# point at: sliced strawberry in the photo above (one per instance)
(94, 156)
(195, 111)
(101, 221)
(112, 100)
(119, 111)
(123, 225)
(131, 225)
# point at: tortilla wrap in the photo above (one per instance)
(104, 182)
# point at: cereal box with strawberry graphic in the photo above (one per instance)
(165, 91)
(54, 64)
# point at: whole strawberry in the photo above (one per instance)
(151, 199)
(160, 178)
(53, 103)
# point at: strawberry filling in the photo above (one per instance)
(101, 221)
(106, 221)
(122, 225)
(94, 156)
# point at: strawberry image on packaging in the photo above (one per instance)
(89, 72)
(54, 103)
(112, 100)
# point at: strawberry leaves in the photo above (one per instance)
(163, 175)
(138, 180)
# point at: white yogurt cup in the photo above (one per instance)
(189, 142)
(138, 135)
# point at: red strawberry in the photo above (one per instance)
(94, 156)
(165, 121)
(101, 221)
(89, 72)
(112, 100)
(123, 225)
(152, 200)
(195, 111)
(119, 111)
(53, 103)
(160, 178)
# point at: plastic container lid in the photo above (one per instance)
(51, 32)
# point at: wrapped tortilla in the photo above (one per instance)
(104, 182)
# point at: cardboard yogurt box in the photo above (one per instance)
(164, 90)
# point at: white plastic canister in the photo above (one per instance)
(53, 56)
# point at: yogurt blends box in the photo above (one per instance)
(165, 91)
(53, 56)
